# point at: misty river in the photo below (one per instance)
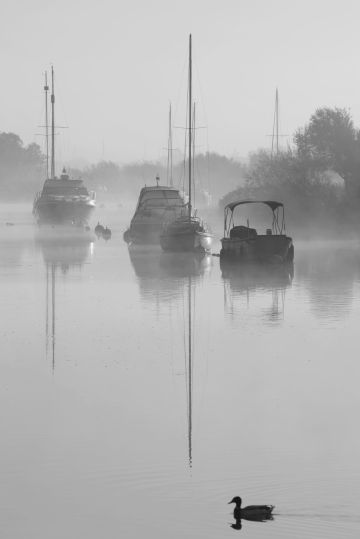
(142, 391)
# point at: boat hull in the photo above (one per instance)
(192, 242)
(275, 249)
(63, 211)
(144, 234)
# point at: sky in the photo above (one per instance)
(118, 64)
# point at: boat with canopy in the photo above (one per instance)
(242, 243)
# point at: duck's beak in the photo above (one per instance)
(230, 502)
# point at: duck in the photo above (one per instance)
(99, 229)
(106, 234)
(251, 512)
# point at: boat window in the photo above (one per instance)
(164, 195)
(158, 203)
(64, 190)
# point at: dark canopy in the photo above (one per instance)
(271, 203)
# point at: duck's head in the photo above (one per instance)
(236, 500)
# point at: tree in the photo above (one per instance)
(330, 142)
(21, 168)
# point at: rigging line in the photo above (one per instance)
(186, 137)
(202, 100)
(46, 88)
(208, 159)
(202, 103)
(180, 89)
(168, 151)
(64, 144)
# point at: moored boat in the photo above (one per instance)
(243, 243)
(63, 200)
(188, 233)
(157, 206)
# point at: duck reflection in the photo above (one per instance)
(245, 281)
(60, 254)
(237, 525)
(161, 276)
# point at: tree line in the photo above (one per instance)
(23, 171)
(317, 176)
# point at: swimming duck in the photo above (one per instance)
(251, 512)
(106, 234)
(99, 229)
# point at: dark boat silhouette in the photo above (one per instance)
(62, 200)
(157, 206)
(187, 233)
(243, 244)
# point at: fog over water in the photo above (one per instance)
(110, 428)
(140, 389)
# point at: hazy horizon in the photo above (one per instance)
(117, 66)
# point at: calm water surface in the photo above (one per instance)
(140, 392)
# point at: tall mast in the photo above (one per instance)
(190, 131)
(275, 135)
(277, 120)
(52, 125)
(170, 148)
(193, 150)
(46, 89)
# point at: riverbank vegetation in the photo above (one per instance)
(317, 177)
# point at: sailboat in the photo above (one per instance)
(62, 200)
(157, 206)
(187, 233)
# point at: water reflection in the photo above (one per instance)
(173, 277)
(242, 282)
(161, 275)
(237, 525)
(13, 244)
(328, 272)
(189, 363)
(60, 254)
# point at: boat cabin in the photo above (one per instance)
(159, 196)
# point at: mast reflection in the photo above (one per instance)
(166, 278)
(60, 255)
(189, 370)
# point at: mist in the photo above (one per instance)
(179, 269)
